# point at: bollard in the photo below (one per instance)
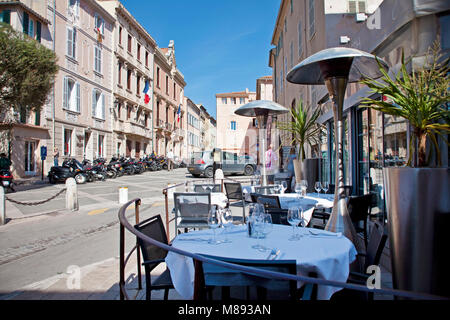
(71, 195)
(123, 195)
(219, 178)
(2, 206)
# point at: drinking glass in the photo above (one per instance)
(304, 184)
(293, 218)
(268, 226)
(325, 187)
(258, 227)
(277, 188)
(227, 222)
(318, 187)
(214, 223)
(298, 189)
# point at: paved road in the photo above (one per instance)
(33, 248)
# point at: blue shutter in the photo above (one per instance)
(26, 21)
(5, 16)
(38, 31)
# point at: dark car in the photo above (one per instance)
(201, 164)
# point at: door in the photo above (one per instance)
(30, 161)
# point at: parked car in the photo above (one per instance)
(201, 164)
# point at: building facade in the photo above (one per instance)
(132, 113)
(24, 133)
(372, 140)
(235, 133)
(194, 127)
(168, 109)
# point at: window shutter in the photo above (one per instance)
(26, 21)
(103, 107)
(362, 6)
(94, 103)
(74, 39)
(78, 98)
(6, 16)
(38, 31)
(37, 120)
(66, 94)
(352, 6)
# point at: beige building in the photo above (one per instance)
(235, 133)
(193, 128)
(131, 115)
(169, 133)
(208, 132)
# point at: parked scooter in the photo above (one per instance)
(71, 168)
(95, 172)
(6, 179)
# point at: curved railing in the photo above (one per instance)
(125, 224)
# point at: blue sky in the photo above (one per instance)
(220, 45)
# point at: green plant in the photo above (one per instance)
(303, 127)
(420, 97)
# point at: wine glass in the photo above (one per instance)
(268, 226)
(293, 218)
(227, 222)
(277, 188)
(298, 189)
(304, 184)
(214, 223)
(325, 186)
(318, 187)
(258, 228)
(284, 186)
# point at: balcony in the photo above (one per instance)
(136, 129)
(160, 125)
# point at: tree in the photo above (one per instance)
(27, 72)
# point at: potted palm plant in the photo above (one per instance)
(417, 195)
(305, 130)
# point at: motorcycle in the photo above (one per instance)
(116, 165)
(94, 172)
(6, 179)
(71, 168)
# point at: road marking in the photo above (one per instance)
(98, 211)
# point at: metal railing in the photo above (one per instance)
(124, 224)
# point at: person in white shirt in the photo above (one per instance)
(169, 160)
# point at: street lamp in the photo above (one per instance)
(335, 67)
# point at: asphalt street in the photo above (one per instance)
(43, 241)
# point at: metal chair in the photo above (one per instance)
(359, 208)
(234, 193)
(279, 216)
(207, 188)
(208, 275)
(324, 213)
(269, 201)
(191, 210)
(153, 255)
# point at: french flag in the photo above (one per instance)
(178, 113)
(147, 87)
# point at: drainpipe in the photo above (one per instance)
(54, 95)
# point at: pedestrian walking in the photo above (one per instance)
(169, 160)
(55, 157)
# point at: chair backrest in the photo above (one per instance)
(359, 207)
(278, 181)
(266, 190)
(153, 228)
(254, 197)
(375, 246)
(192, 206)
(233, 190)
(207, 188)
(269, 201)
(213, 275)
(279, 216)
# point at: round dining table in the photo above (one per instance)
(327, 254)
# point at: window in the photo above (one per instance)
(129, 79)
(357, 6)
(224, 100)
(138, 84)
(233, 100)
(285, 25)
(157, 77)
(138, 51)
(233, 125)
(146, 58)
(26, 22)
(38, 31)
(99, 24)
(98, 59)
(444, 22)
(130, 43)
(311, 19)
(5, 16)
(119, 78)
(98, 104)
(67, 142)
(174, 91)
(74, 8)
(292, 7)
(292, 54)
(71, 42)
(100, 145)
(300, 47)
(120, 35)
(241, 100)
(128, 112)
(167, 84)
(31, 28)
(71, 97)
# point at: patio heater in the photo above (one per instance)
(261, 109)
(335, 67)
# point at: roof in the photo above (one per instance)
(23, 5)
(231, 94)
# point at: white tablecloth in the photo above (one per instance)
(330, 257)
(219, 198)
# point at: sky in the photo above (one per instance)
(220, 45)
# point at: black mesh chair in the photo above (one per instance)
(235, 195)
(153, 256)
(371, 257)
(288, 179)
(191, 210)
(279, 216)
(266, 190)
(269, 201)
(207, 188)
(208, 276)
(359, 208)
(254, 197)
(324, 213)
